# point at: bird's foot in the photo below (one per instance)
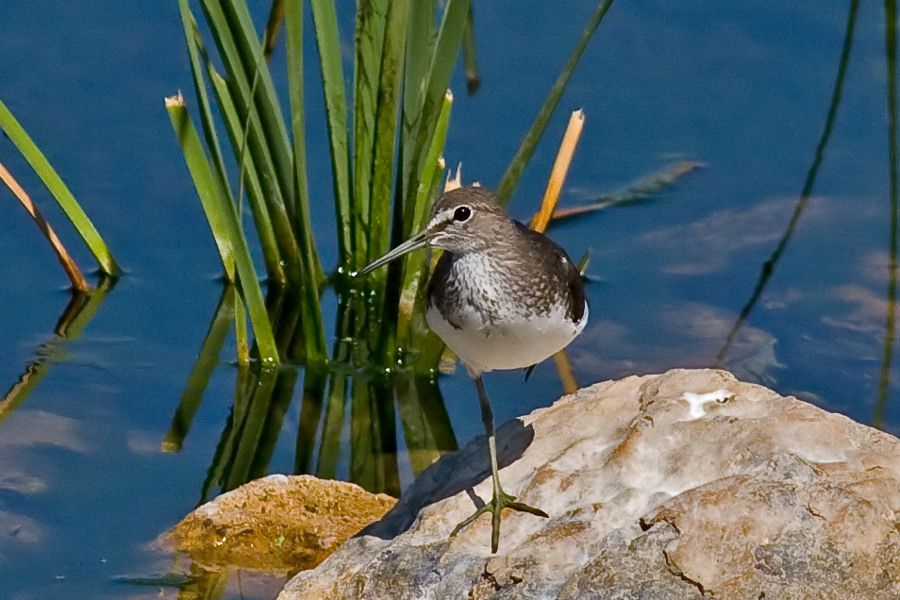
(500, 501)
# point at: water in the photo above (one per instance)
(743, 88)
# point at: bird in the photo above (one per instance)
(501, 297)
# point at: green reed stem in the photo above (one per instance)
(59, 190)
(223, 219)
(329, 44)
(523, 155)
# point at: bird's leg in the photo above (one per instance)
(500, 498)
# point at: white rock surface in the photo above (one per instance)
(688, 484)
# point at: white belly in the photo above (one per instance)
(514, 343)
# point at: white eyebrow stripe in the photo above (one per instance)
(444, 216)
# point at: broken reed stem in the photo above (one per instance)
(566, 374)
(560, 169)
(540, 220)
(454, 182)
(75, 276)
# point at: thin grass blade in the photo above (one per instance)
(273, 27)
(267, 137)
(310, 305)
(226, 228)
(329, 44)
(371, 23)
(58, 189)
(265, 230)
(443, 60)
(79, 283)
(473, 79)
(526, 150)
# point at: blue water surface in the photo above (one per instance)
(743, 88)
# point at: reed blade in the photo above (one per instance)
(79, 311)
(424, 88)
(315, 381)
(383, 159)
(410, 322)
(473, 79)
(265, 230)
(329, 44)
(640, 190)
(249, 65)
(523, 155)
(250, 429)
(76, 278)
(332, 428)
(390, 89)
(424, 119)
(310, 305)
(200, 63)
(884, 376)
(257, 107)
(59, 190)
(771, 263)
(223, 220)
(371, 23)
(427, 431)
(273, 27)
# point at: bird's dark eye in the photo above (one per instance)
(462, 213)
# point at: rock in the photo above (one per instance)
(276, 524)
(688, 484)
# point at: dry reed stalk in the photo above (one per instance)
(540, 220)
(65, 259)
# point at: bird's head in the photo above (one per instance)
(467, 219)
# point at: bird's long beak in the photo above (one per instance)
(414, 243)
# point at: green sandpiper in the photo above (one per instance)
(501, 297)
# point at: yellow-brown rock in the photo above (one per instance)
(277, 524)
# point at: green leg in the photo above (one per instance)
(500, 499)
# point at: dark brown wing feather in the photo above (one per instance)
(545, 250)
(437, 293)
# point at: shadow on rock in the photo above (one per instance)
(454, 473)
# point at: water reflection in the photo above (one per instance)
(338, 401)
(76, 315)
(809, 184)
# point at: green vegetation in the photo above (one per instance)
(11, 127)
(386, 137)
